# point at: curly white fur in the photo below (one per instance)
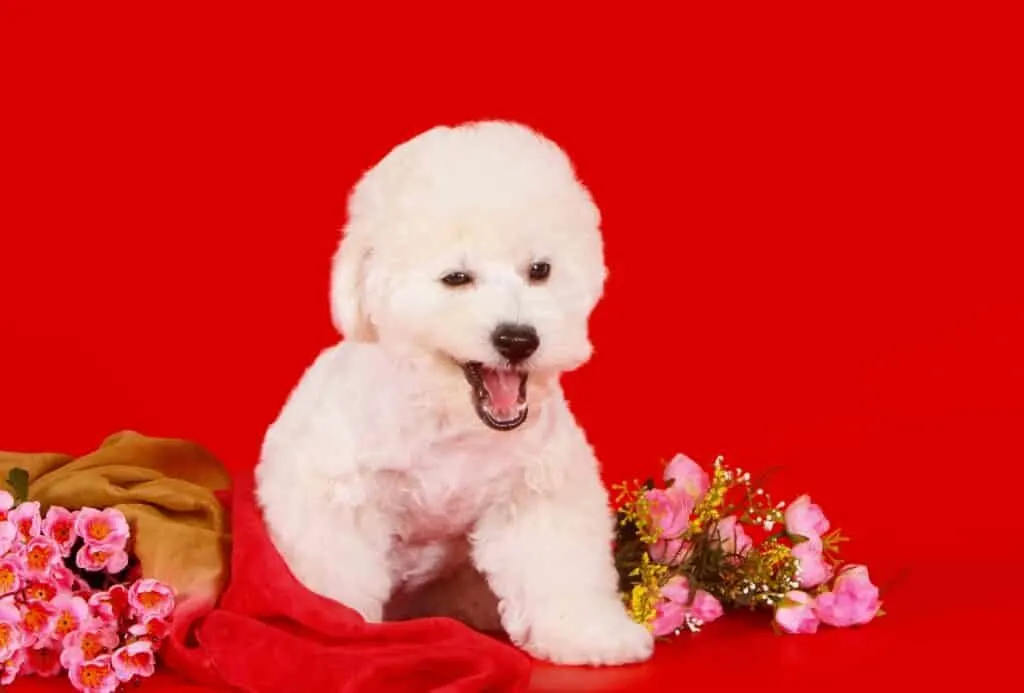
(380, 485)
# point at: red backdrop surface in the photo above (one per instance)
(809, 223)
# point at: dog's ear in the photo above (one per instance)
(350, 267)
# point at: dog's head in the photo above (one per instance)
(478, 246)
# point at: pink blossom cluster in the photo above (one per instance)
(681, 606)
(850, 600)
(838, 598)
(671, 508)
(52, 620)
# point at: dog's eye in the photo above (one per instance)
(539, 271)
(456, 279)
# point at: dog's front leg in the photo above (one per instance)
(350, 566)
(339, 551)
(548, 558)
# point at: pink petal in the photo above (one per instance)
(134, 660)
(856, 595)
(43, 662)
(10, 571)
(687, 475)
(797, 614)
(113, 523)
(670, 512)
(669, 552)
(12, 668)
(143, 591)
(833, 610)
(102, 662)
(732, 536)
(62, 577)
(59, 525)
(25, 517)
(814, 569)
(676, 590)
(804, 518)
(117, 562)
(668, 617)
(13, 640)
(8, 535)
(706, 607)
(9, 613)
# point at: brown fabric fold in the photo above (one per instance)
(166, 488)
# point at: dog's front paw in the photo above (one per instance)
(607, 640)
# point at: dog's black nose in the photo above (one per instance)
(515, 342)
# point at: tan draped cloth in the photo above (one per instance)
(166, 489)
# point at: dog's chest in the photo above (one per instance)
(447, 487)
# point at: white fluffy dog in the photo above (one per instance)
(434, 444)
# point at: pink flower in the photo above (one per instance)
(734, 540)
(97, 558)
(37, 619)
(676, 607)
(705, 607)
(72, 615)
(6, 503)
(41, 590)
(676, 590)
(11, 638)
(670, 611)
(110, 606)
(26, 518)
(805, 519)
(153, 629)
(669, 551)
(102, 529)
(63, 578)
(796, 613)
(814, 569)
(10, 575)
(93, 676)
(59, 525)
(87, 644)
(688, 476)
(40, 556)
(10, 668)
(42, 661)
(8, 535)
(151, 598)
(670, 511)
(853, 600)
(134, 660)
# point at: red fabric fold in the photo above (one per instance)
(268, 634)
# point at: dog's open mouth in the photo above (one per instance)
(499, 395)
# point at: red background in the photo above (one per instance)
(808, 223)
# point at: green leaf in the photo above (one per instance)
(17, 479)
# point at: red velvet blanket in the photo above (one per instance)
(270, 634)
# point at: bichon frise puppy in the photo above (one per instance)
(434, 442)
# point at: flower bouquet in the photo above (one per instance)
(702, 544)
(70, 596)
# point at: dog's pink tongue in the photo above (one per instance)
(503, 387)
